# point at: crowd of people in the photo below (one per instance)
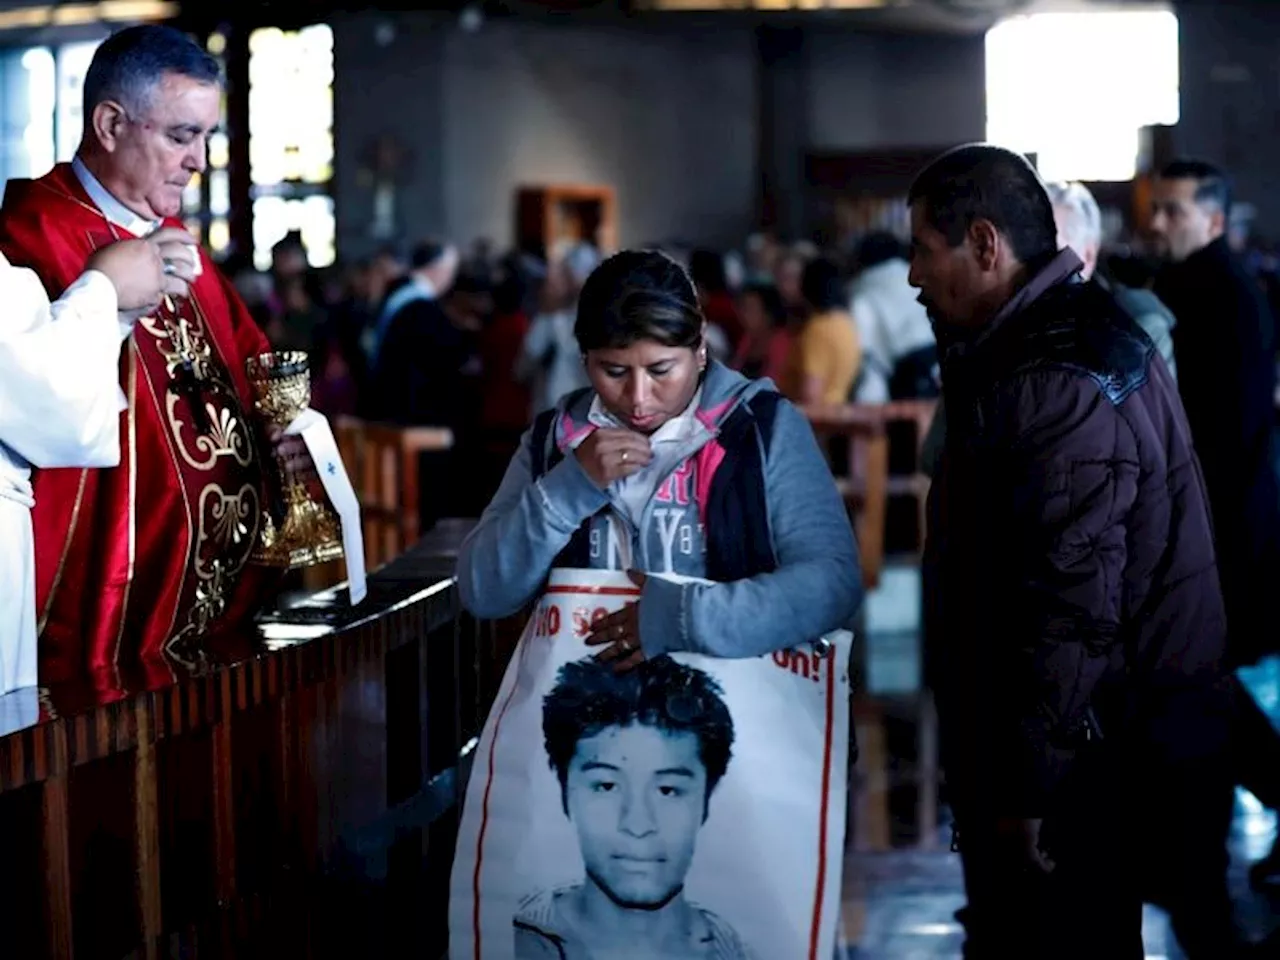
(440, 336)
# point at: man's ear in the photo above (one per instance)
(985, 240)
(108, 122)
(1217, 221)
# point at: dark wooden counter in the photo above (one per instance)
(294, 795)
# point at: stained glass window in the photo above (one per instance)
(72, 64)
(37, 138)
(291, 139)
(207, 197)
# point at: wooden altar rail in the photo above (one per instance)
(861, 464)
(856, 438)
(301, 803)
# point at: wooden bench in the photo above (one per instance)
(382, 461)
(854, 439)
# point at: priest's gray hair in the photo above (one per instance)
(1082, 225)
(130, 64)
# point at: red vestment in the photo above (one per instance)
(144, 561)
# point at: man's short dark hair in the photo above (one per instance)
(426, 253)
(982, 182)
(129, 63)
(1213, 187)
(590, 697)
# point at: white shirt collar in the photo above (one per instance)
(111, 208)
(679, 427)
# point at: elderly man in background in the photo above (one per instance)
(1080, 227)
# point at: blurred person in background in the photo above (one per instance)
(1226, 346)
(766, 339)
(762, 258)
(420, 354)
(899, 352)
(504, 405)
(301, 314)
(788, 271)
(825, 354)
(706, 267)
(1079, 221)
(550, 362)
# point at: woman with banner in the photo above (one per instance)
(663, 772)
(669, 463)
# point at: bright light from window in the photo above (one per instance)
(1076, 88)
(72, 64)
(37, 136)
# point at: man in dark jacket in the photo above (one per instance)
(1069, 564)
(1227, 335)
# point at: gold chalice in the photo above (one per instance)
(307, 532)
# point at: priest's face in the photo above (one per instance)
(155, 154)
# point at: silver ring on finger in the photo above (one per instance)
(624, 456)
(170, 268)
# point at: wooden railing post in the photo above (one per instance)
(55, 822)
(147, 828)
(224, 801)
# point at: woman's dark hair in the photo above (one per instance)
(822, 286)
(638, 295)
(770, 300)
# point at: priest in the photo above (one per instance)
(148, 560)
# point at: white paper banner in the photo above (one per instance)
(314, 429)
(693, 808)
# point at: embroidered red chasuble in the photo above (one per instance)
(147, 560)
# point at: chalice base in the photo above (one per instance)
(309, 534)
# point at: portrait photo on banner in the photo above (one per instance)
(691, 807)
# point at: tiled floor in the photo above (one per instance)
(899, 905)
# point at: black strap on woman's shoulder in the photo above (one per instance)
(544, 451)
(739, 541)
(539, 438)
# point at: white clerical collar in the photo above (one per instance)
(111, 208)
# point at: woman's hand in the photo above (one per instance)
(621, 631)
(610, 454)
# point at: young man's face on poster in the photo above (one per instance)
(636, 795)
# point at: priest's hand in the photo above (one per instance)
(135, 268)
(181, 259)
